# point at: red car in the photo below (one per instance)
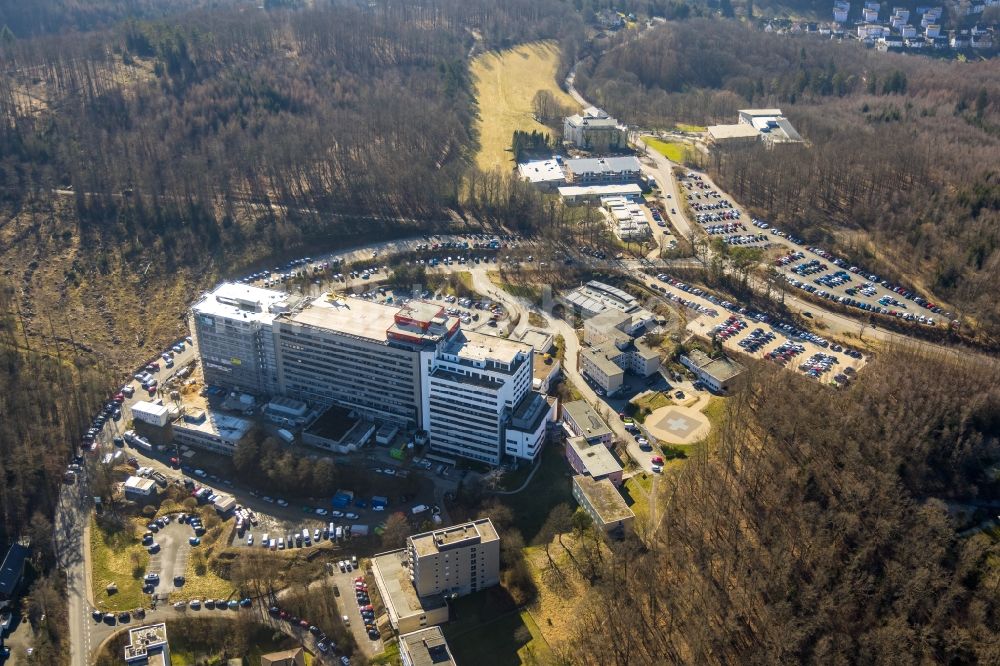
(175, 462)
(120, 398)
(657, 460)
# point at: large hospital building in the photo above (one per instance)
(412, 366)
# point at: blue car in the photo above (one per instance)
(194, 541)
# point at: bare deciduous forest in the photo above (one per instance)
(817, 531)
(900, 169)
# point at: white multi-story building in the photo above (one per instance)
(474, 385)
(594, 129)
(410, 366)
(459, 560)
(232, 327)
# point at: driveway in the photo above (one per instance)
(171, 559)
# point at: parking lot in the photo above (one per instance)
(354, 602)
(760, 335)
(718, 216)
(818, 272)
(170, 557)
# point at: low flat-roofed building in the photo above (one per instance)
(339, 430)
(573, 194)
(138, 487)
(730, 136)
(718, 374)
(603, 170)
(543, 173)
(225, 504)
(407, 611)
(426, 647)
(150, 412)
(211, 430)
(545, 371)
(582, 421)
(540, 341)
(603, 503)
(593, 460)
(293, 657)
(147, 645)
(595, 297)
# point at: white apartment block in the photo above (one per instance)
(475, 384)
(594, 129)
(458, 560)
(232, 327)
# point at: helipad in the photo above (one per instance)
(677, 425)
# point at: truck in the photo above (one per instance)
(359, 530)
(137, 441)
(418, 509)
(286, 435)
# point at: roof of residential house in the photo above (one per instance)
(603, 358)
(476, 531)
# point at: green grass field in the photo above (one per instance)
(505, 84)
(675, 152)
(550, 486)
(684, 127)
(114, 556)
(486, 629)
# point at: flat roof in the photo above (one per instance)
(373, 321)
(540, 369)
(144, 638)
(12, 568)
(426, 647)
(598, 190)
(597, 459)
(435, 541)
(603, 164)
(721, 369)
(542, 171)
(394, 574)
(233, 300)
(602, 359)
(586, 418)
(738, 131)
(475, 347)
(761, 112)
(215, 424)
(540, 341)
(334, 423)
(139, 483)
(529, 414)
(604, 497)
(151, 408)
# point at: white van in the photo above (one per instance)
(264, 540)
(306, 539)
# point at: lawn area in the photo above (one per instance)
(684, 127)
(715, 410)
(487, 629)
(637, 492)
(648, 403)
(550, 486)
(530, 292)
(505, 84)
(675, 152)
(114, 558)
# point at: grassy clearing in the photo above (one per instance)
(637, 490)
(715, 410)
(530, 292)
(488, 629)
(550, 486)
(675, 152)
(505, 84)
(648, 403)
(684, 127)
(115, 557)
